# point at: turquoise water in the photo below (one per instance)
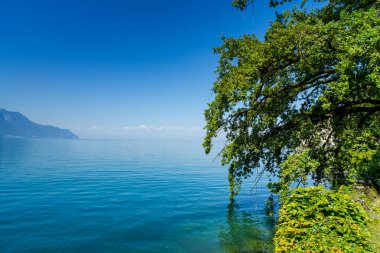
(123, 196)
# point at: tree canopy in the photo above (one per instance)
(303, 102)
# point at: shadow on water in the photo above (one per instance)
(245, 233)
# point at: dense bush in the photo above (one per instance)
(313, 219)
(370, 172)
(304, 99)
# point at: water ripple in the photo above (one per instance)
(104, 196)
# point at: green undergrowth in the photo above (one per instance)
(314, 219)
(370, 200)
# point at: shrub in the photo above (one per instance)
(314, 219)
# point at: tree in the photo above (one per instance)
(305, 101)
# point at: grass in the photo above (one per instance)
(370, 200)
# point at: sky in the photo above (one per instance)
(117, 68)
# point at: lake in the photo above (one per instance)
(124, 196)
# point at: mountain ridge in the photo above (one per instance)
(15, 124)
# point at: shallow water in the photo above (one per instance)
(123, 196)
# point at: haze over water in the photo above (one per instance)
(123, 196)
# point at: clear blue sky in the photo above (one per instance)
(117, 68)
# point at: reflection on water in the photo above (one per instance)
(122, 196)
(244, 233)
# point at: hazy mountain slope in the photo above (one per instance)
(16, 124)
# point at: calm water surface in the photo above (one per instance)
(123, 196)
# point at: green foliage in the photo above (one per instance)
(305, 101)
(370, 173)
(370, 200)
(242, 4)
(313, 219)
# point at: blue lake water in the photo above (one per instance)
(124, 196)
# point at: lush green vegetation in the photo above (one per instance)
(305, 101)
(369, 198)
(304, 106)
(313, 219)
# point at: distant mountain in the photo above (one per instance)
(14, 124)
